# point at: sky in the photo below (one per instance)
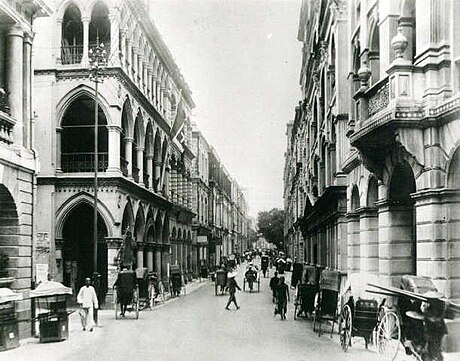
(241, 60)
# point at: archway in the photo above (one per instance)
(72, 36)
(78, 249)
(9, 227)
(125, 137)
(99, 27)
(77, 137)
(403, 225)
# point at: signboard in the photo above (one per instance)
(41, 272)
(43, 240)
(202, 239)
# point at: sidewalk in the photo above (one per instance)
(107, 317)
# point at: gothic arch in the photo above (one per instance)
(453, 169)
(128, 216)
(372, 192)
(64, 210)
(354, 198)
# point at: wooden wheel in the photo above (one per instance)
(346, 327)
(115, 303)
(389, 336)
(136, 303)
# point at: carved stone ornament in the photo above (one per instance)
(337, 6)
(364, 73)
(399, 44)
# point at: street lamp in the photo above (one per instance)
(97, 59)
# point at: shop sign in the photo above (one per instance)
(41, 272)
(202, 239)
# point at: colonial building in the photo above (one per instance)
(144, 142)
(18, 159)
(378, 131)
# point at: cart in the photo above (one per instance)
(156, 289)
(50, 300)
(307, 289)
(416, 322)
(176, 284)
(251, 276)
(327, 300)
(360, 310)
(264, 263)
(9, 333)
(220, 281)
(126, 292)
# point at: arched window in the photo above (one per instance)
(72, 36)
(99, 27)
(77, 139)
(374, 54)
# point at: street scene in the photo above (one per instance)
(230, 179)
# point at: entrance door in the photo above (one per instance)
(78, 249)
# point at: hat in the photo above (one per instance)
(433, 295)
(415, 315)
(232, 274)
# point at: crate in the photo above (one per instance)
(54, 328)
(365, 316)
(9, 336)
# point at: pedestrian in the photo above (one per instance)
(282, 295)
(87, 298)
(297, 269)
(273, 284)
(232, 286)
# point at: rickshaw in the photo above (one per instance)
(326, 301)
(220, 281)
(360, 310)
(126, 293)
(145, 296)
(156, 289)
(307, 289)
(250, 278)
(9, 331)
(264, 262)
(417, 320)
(177, 285)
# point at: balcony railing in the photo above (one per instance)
(6, 128)
(71, 54)
(83, 162)
(136, 174)
(124, 166)
(378, 97)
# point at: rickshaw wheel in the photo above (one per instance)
(346, 325)
(316, 317)
(215, 288)
(136, 303)
(295, 310)
(389, 335)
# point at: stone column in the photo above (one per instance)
(369, 240)
(150, 170)
(114, 40)
(149, 81)
(353, 242)
(150, 257)
(157, 172)
(145, 79)
(58, 42)
(129, 57)
(85, 57)
(134, 65)
(166, 182)
(114, 148)
(164, 261)
(27, 85)
(140, 70)
(58, 164)
(128, 154)
(158, 260)
(140, 254)
(123, 50)
(14, 79)
(140, 163)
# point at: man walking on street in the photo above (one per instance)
(273, 284)
(282, 294)
(232, 286)
(87, 298)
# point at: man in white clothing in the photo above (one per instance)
(87, 298)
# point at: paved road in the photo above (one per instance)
(197, 327)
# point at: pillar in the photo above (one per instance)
(128, 154)
(166, 182)
(369, 240)
(140, 163)
(27, 89)
(58, 41)
(85, 57)
(114, 148)
(150, 257)
(140, 70)
(150, 170)
(114, 41)
(158, 261)
(164, 262)
(140, 255)
(353, 242)
(14, 79)
(129, 57)
(157, 174)
(134, 65)
(123, 50)
(149, 82)
(58, 164)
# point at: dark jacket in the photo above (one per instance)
(232, 285)
(274, 282)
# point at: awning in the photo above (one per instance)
(7, 295)
(50, 288)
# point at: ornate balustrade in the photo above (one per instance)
(83, 162)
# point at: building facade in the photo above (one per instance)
(378, 132)
(18, 158)
(144, 143)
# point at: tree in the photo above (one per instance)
(271, 226)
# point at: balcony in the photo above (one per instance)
(6, 128)
(71, 54)
(83, 162)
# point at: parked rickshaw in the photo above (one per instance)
(220, 281)
(9, 331)
(51, 310)
(360, 310)
(126, 294)
(176, 283)
(251, 277)
(417, 320)
(327, 300)
(145, 296)
(307, 289)
(264, 262)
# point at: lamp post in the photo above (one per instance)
(97, 59)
